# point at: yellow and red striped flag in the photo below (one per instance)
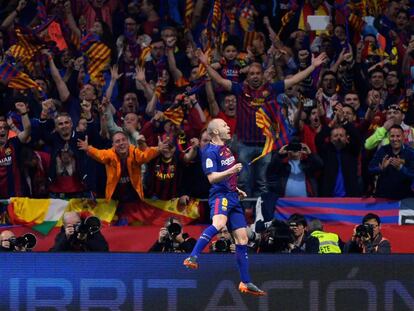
(216, 18)
(263, 121)
(175, 115)
(98, 57)
(145, 52)
(181, 82)
(356, 22)
(286, 18)
(26, 47)
(188, 14)
(22, 56)
(16, 79)
(249, 37)
(202, 70)
(274, 128)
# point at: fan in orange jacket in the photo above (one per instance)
(122, 149)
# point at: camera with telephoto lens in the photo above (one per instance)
(276, 237)
(89, 225)
(365, 231)
(222, 245)
(27, 241)
(174, 229)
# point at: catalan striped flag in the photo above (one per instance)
(175, 115)
(26, 47)
(188, 14)
(375, 7)
(98, 57)
(16, 79)
(182, 81)
(274, 127)
(286, 18)
(27, 39)
(249, 37)
(215, 15)
(20, 54)
(145, 53)
(202, 70)
(74, 39)
(345, 211)
(356, 22)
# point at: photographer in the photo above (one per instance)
(303, 242)
(9, 242)
(288, 237)
(367, 238)
(80, 235)
(172, 238)
(224, 243)
(276, 238)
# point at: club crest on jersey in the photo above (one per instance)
(8, 151)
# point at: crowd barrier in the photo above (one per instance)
(140, 239)
(43, 281)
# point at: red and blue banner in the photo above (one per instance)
(346, 211)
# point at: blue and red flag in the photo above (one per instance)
(16, 79)
(98, 57)
(87, 41)
(41, 10)
(346, 211)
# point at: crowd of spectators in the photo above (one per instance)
(344, 94)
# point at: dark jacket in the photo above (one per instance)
(309, 245)
(379, 245)
(85, 166)
(279, 169)
(168, 245)
(393, 183)
(93, 243)
(349, 162)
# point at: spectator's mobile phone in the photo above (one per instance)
(308, 103)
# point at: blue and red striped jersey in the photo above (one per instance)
(218, 159)
(248, 102)
(10, 178)
(230, 70)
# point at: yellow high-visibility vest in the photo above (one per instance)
(328, 242)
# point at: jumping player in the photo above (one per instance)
(221, 169)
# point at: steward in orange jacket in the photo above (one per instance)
(135, 157)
